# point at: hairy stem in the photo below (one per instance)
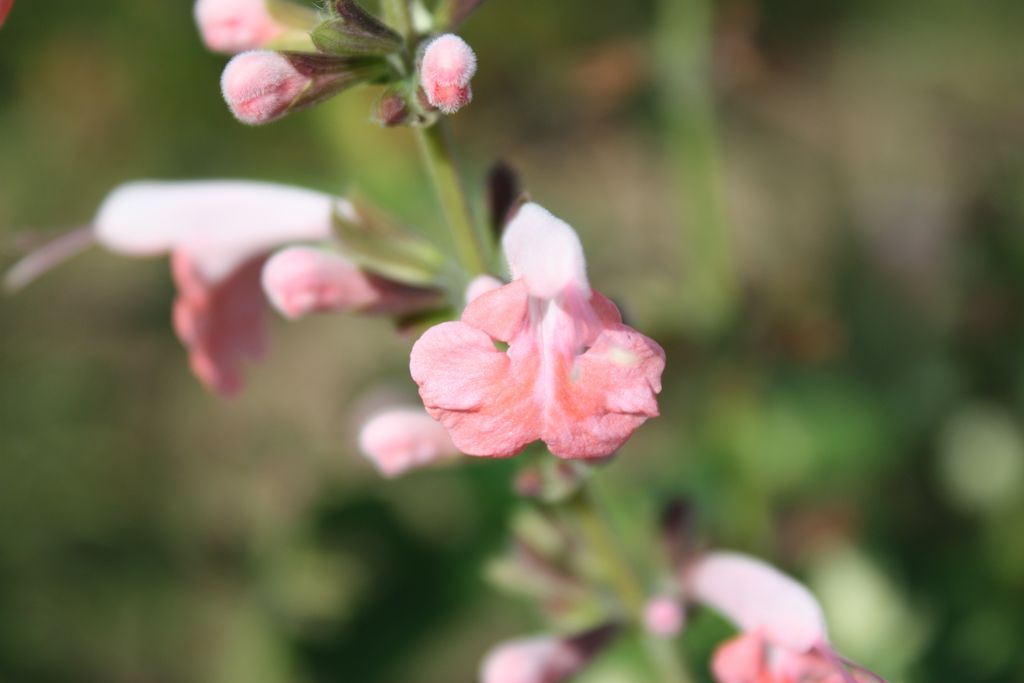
(436, 148)
(599, 534)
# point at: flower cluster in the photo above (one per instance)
(528, 353)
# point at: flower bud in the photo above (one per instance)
(261, 86)
(663, 616)
(232, 26)
(301, 280)
(447, 66)
(480, 285)
(397, 440)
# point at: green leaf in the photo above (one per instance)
(381, 246)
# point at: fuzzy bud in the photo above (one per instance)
(232, 26)
(663, 616)
(447, 67)
(261, 86)
(397, 440)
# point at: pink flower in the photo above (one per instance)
(218, 234)
(397, 440)
(5, 8)
(784, 637)
(663, 616)
(447, 67)
(301, 280)
(573, 376)
(540, 659)
(235, 25)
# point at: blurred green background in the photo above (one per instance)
(824, 228)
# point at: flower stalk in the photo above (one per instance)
(599, 534)
(439, 158)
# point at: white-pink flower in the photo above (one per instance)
(537, 659)
(400, 439)
(447, 66)
(231, 26)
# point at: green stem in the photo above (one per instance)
(435, 145)
(599, 534)
(683, 40)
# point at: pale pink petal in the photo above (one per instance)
(664, 616)
(602, 398)
(758, 598)
(473, 389)
(501, 313)
(540, 659)
(220, 223)
(480, 285)
(741, 660)
(221, 324)
(235, 25)
(545, 252)
(397, 440)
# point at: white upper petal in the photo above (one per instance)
(758, 597)
(545, 252)
(220, 223)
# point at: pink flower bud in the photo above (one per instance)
(663, 616)
(5, 7)
(261, 86)
(446, 69)
(301, 280)
(235, 25)
(397, 440)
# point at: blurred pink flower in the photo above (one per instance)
(5, 8)
(573, 376)
(664, 616)
(301, 280)
(446, 68)
(784, 637)
(218, 234)
(397, 440)
(231, 26)
(540, 659)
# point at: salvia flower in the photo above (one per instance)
(447, 66)
(573, 375)
(261, 86)
(397, 440)
(784, 638)
(232, 26)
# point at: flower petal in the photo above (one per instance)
(221, 324)
(544, 251)
(501, 313)
(397, 440)
(602, 399)
(740, 660)
(472, 388)
(758, 598)
(221, 224)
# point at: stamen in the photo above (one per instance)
(50, 254)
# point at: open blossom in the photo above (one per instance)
(573, 375)
(784, 637)
(446, 68)
(218, 234)
(235, 25)
(397, 440)
(302, 280)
